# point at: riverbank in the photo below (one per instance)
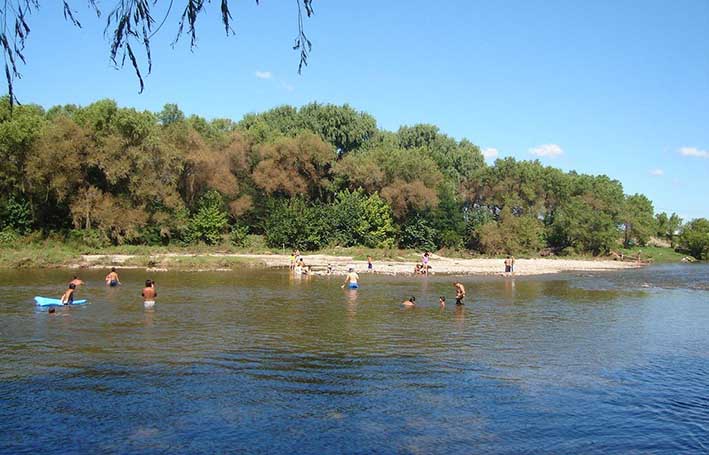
(397, 265)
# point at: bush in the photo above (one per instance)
(8, 237)
(694, 238)
(239, 235)
(419, 233)
(292, 223)
(210, 221)
(15, 214)
(92, 238)
(358, 219)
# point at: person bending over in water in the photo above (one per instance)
(459, 293)
(76, 281)
(442, 301)
(351, 279)
(68, 296)
(112, 278)
(149, 293)
(410, 302)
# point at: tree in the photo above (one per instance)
(638, 221)
(694, 238)
(131, 25)
(668, 227)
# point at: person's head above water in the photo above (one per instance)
(350, 269)
(113, 269)
(72, 286)
(148, 283)
(412, 299)
(442, 298)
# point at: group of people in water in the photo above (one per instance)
(459, 296)
(112, 280)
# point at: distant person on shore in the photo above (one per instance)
(329, 269)
(112, 278)
(68, 296)
(370, 266)
(508, 266)
(351, 280)
(409, 303)
(76, 281)
(512, 265)
(292, 261)
(426, 257)
(442, 301)
(149, 294)
(459, 293)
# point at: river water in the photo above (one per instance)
(258, 362)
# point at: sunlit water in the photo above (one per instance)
(257, 362)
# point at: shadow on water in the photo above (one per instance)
(259, 361)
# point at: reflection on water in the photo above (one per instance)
(259, 361)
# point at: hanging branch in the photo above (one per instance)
(128, 23)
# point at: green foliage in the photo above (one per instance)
(239, 235)
(293, 223)
(358, 219)
(210, 221)
(694, 238)
(639, 223)
(418, 232)
(511, 234)
(8, 237)
(16, 214)
(311, 177)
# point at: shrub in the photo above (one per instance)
(239, 235)
(16, 214)
(8, 237)
(292, 223)
(419, 233)
(210, 221)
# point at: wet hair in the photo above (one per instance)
(148, 283)
(72, 286)
(442, 298)
(52, 310)
(76, 277)
(113, 269)
(350, 269)
(412, 299)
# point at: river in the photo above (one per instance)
(256, 361)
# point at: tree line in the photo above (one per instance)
(310, 177)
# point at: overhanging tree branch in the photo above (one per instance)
(130, 22)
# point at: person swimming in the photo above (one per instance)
(149, 293)
(68, 296)
(410, 302)
(112, 278)
(351, 279)
(76, 281)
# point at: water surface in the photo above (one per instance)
(259, 362)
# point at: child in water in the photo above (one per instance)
(149, 293)
(112, 278)
(409, 303)
(68, 296)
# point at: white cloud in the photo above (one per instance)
(287, 86)
(657, 172)
(550, 150)
(693, 151)
(490, 153)
(263, 74)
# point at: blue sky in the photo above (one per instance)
(605, 87)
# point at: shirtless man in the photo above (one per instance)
(149, 293)
(68, 296)
(351, 279)
(409, 303)
(112, 278)
(459, 293)
(76, 281)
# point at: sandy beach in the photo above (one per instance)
(340, 264)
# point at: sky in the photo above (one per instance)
(614, 87)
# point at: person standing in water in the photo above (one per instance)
(112, 278)
(459, 293)
(370, 266)
(351, 279)
(76, 281)
(149, 293)
(68, 296)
